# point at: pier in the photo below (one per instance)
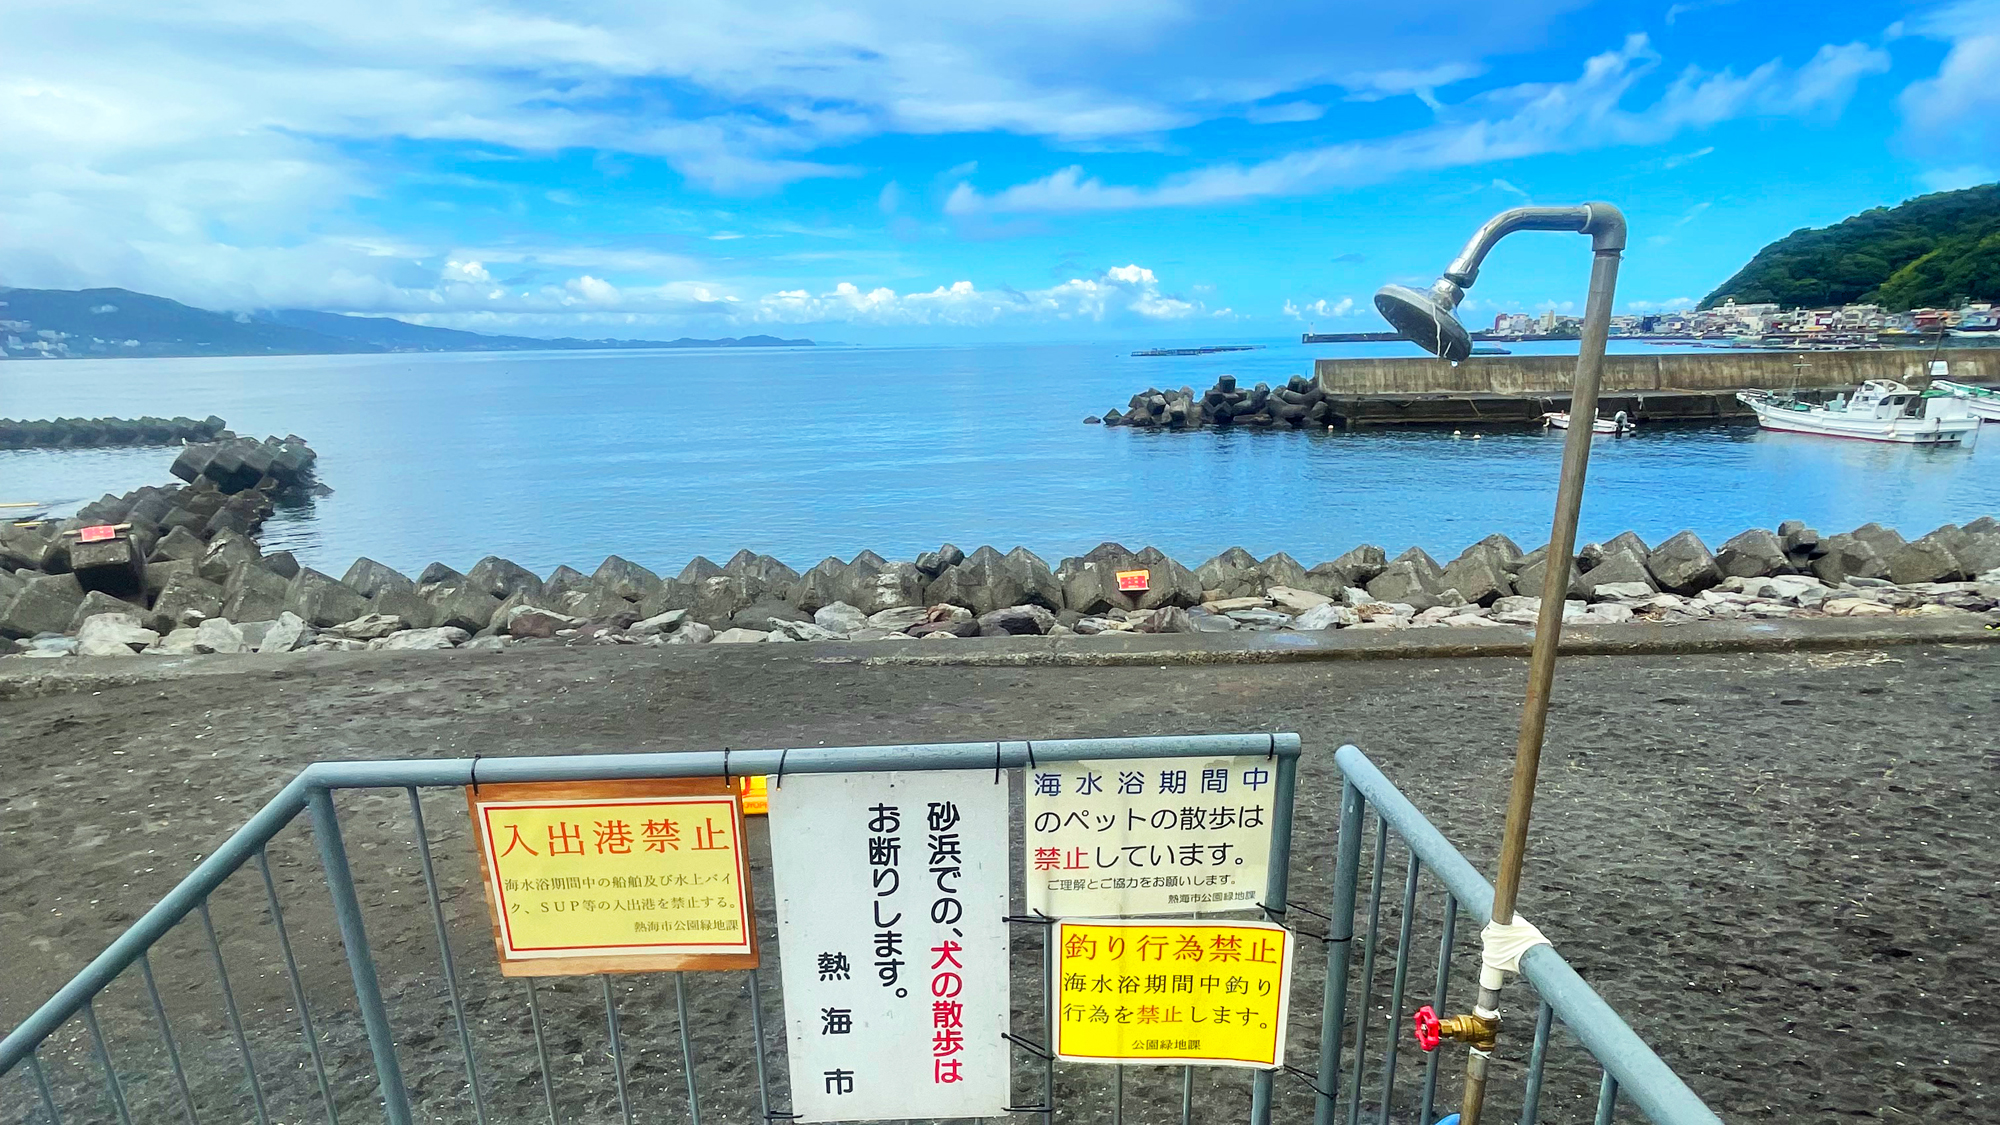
(1701, 387)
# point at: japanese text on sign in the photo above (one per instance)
(892, 899)
(1148, 836)
(1205, 992)
(648, 873)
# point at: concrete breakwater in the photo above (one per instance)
(230, 597)
(1711, 371)
(85, 433)
(1518, 390)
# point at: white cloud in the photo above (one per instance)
(1284, 113)
(1955, 114)
(1323, 309)
(1681, 158)
(1505, 124)
(1509, 188)
(1672, 304)
(1958, 176)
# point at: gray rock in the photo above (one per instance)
(177, 545)
(1018, 620)
(1977, 549)
(742, 637)
(1362, 564)
(1479, 575)
(1528, 580)
(778, 579)
(462, 608)
(1504, 550)
(1845, 558)
(840, 617)
(872, 588)
(1629, 542)
(283, 564)
(1295, 602)
(157, 577)
(692, 633)
(370, 578)
(218, 634)
(765, 614)
(1755, 553)
(1166, 619)
(1203, 621)
(1623, 591)
(1884, 541)
(1616, 568)
(803, 631)
(1683, 565)
(1423, 562)
(224, 553)
(660, 623)
(435, 575)
(1090, 582)
(1924, 560)
(321, 599)
(486, 644)
(1797, 539)
(1328, 616)
(113, 634)
(403, 602)
(368, 627)
(39, 607)
(562, 580)
(716, 600)
(288, 633)
(1257, 618)
(252, 593)
(98, 602)
(444, 636)
(899, 618)
(179, 642)
(502, 578)
(988, 580)
(1231, 574)
(1405, 581)
(626, 579)
(933, 563)
(698, 569)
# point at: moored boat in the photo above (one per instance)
(1616, 424)
(1879, 410)
(1983, 402)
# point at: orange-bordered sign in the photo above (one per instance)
(615, 876)
(96, 534)
(1134, 579)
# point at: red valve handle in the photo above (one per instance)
(1426, 1021)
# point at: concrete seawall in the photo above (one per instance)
(1702, 371)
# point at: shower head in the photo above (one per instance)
(1426, 319)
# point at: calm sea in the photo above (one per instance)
(551, 458)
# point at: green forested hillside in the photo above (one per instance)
(1935, 250)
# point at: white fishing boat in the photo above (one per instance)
(1879, 410)
(1616, 424)
(1982, 401)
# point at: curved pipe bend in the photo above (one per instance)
(1603, 222)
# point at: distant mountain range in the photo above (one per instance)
(1937, 250)
(84, 323)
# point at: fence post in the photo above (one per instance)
(1339, 933)
(1277, 888)
(367, 990)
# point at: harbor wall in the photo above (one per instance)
(1699, 371)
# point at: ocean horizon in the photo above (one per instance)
(553, 458)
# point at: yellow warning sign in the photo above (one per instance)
(1198, 992)
(620, 876)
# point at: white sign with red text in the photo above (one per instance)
(892, 905)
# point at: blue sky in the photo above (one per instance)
(887, 172)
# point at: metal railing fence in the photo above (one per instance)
(348, 1060)
(1629, 1069)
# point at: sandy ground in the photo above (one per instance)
(1777, 867)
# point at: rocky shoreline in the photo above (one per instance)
(229, 597)
(86, 433)
(1299, 403)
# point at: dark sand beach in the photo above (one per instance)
(1777, 867)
